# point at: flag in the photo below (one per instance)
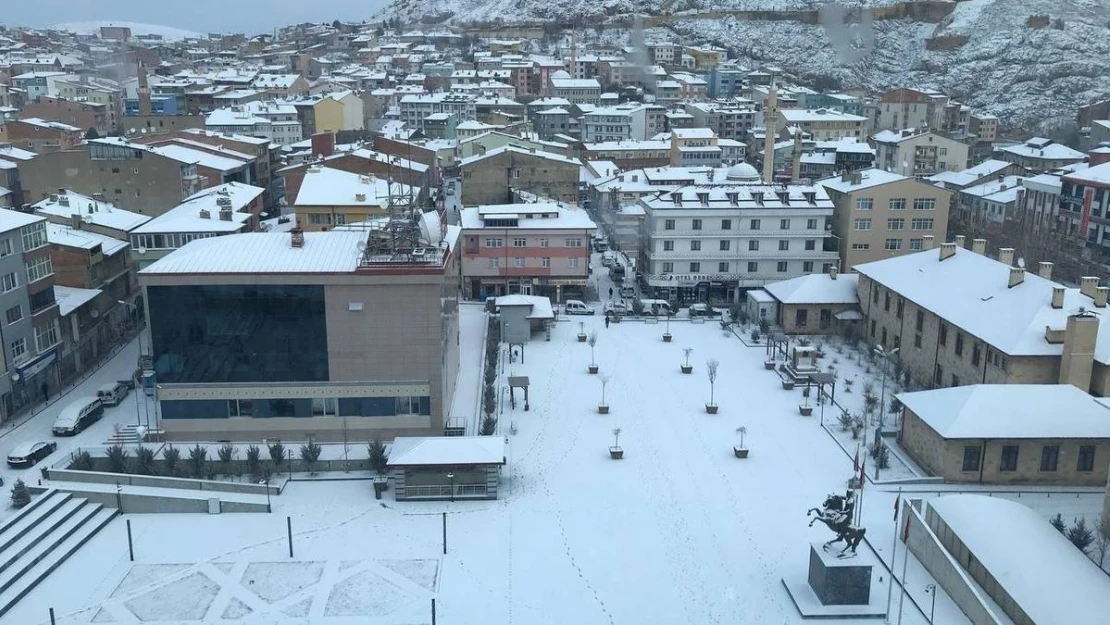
(862, 472)
(897, 501)
(855, 461)
(906, 531)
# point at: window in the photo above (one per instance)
(864, 203)
(695, 267)
(811, 224)
(781, 268)
(897, 203)
(922, 223)
(722, 267)
(494, 263)
(324, 406)
(15, 313)
(861, 246)
(784, 245)
(5, 247)
(543, 242)
(726, 224)
(872, 328)
(976, 353)
(545, 262)
(753, 267)
(801, 317)
(1085, 462)
(518, 261)
(494, 242)
(807, 266)
(861, 224)
(34, 236)
(1009, 458)
(886, 301)
(972, 453)
(917, 340)
(955, 380)
(668, 246)
(755, 224)
(753, 245)
(46, 336)
(696, 225)
(784, 224)
(900, 309)
(942, 151)
(896, 224)
(892, 244)
(668, 224)
(574, 263)
(695, 246)
(959, 344)
(573, 242)
(19, 350)
(515, 172)
(938, 375)
(917, 244)
(319, 219)
(924, 204)
(10, 282)
(1050, 457)
(520, 242)
(668, 267)
(39, 268)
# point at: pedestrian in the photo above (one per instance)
(610, 292)
(45, 392)
(606, 322)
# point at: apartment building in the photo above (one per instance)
(694, 147)
(624, 122)
(823, 124)
(279, 123)
(281, 85)
(85, 115)
(577, 90)
(828, 158)
(1085, 205)
(627, 187)
(415, 108)
(710, 243)
(1037, 206)
(629, 154)
(82, 212)
(959, 317)
(494, 176)
(40, 136)
(726, 81)
(731, 120)
(984, 126)
(331, 197)
(334, 341)
(918, 152)
(10, 177)
(1041, 155)
(706, 57)
(880, 214)
(989, 204)
(531, 249)
(87, 260)
(900, 109)
(31, 333)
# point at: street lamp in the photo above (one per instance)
(451, 476)
(932, 590)
(885, 355)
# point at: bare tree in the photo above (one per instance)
(711, 370)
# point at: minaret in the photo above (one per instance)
(796, 165)
(770, 116)
(573, 56)
(145, 107)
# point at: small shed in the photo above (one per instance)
(761, 305)
(818, 303)
(522, 316)
(456, 467)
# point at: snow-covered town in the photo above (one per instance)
(463, 312)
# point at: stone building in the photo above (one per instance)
(491, 178)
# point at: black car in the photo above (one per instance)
(28, 454)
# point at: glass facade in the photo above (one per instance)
(302, 408)
(239, 333)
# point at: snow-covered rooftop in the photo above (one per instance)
(64, 235)
(71, 298)
(1043, 573)
(446, 451)
(1002, 191)
(324, 186)
(867, 178)
(10, 219)
(816, 288)
(1011, 411)
(795, 116)
(1099, 175)
(551, 156)
(92, 211)
(542, 215)
(265, 252)
(188, 216)
(539, 306)
(970, 175)
(1039, 148)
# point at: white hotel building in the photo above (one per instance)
(713, 242)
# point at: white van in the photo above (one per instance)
(77, 416)
(112, 394)
(657, 307)
(577, 307)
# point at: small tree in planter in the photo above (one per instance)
(20, 495)
(739, 450)
(592, 342)
(117, 458)
(198, 457)
(581, 332)
(805, 409)
(857, 426)
(277, 453)
(82, 461)
(379, 460)
(603, 408)
(686, 366)
(764, 325)
(615, 452)
(489, 425)
(637, 307)
(711, 370)
(171, 456)
(667, 332)
(754, 336)
(254, 462)
(844, 420)
(144, 460)
(310, 455)
(227, 453)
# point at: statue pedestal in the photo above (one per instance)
(838, 581)
(837, 587)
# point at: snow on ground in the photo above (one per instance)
(167, 32)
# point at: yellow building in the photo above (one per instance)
(332, 197)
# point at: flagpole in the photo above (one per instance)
(893, 554)
(905, 561)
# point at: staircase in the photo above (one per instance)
(41, 537)
(125, 435)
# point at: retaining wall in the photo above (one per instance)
(143, 503)
(156, 481)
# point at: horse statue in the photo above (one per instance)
(836, 514)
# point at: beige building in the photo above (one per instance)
(879, 215)
(299, 336)
(492, 177)
(332, 197)
(984, 126)
(817, 303)
(918, 152)
(823, 124)
(1009, 434)
(959, 317)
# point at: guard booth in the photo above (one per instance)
(148, 382)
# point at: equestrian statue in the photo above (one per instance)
(836, 513)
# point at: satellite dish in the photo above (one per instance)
(1021, 262)
(361, 246)
(94, 313)
(142, 250)
(15, 377)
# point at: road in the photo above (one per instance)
(37, 427)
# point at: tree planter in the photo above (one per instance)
(711, 408)
(687, 368)
(603, 408)
(739, 452)
(769, 365)
(667, 337)
(787, 385)
(380, 486)
(806, 411)
(592, 368)
(616, 453)
(581, 337)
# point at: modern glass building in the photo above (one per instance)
(273, 335)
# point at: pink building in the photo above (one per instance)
(532, 249)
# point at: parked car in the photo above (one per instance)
(112, 394)
(77, 416)
(608, 258)
(577, 307)
(28, 454)
(617, 309)
(657, 307)
(628, 292)
(703, 310)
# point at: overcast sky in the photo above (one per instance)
(248, 16)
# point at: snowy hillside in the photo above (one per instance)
(1033, 78)
(167, 32)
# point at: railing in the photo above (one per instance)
(444, 491)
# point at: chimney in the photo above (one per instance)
(960, 240)
(1088, 285)
(1077, 362)
(832, 271)
(296, 237)
(1006, 256)
(979, 246)
(1017, 276)
(1058, 297)
(75, 221)
(323, 144)
(947, 250)
(927, 242)
(1044, 270)
(1100, 296)
(205, 214)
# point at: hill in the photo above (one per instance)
(167, 32)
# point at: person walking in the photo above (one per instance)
(45, 388)
(610, 292)
(606, 321)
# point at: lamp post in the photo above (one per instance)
(885, 355)
(932, 590)
(451, 476)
